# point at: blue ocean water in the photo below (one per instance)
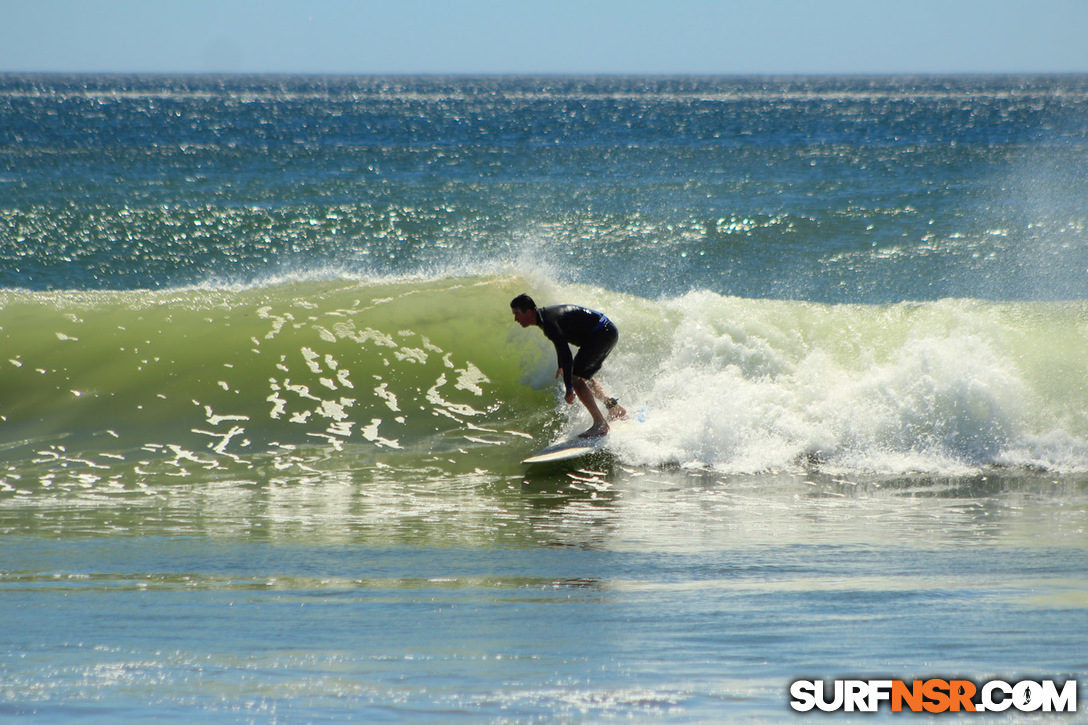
(831, 190)
(263, 402)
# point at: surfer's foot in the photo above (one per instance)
(598, 430)
(615, 410)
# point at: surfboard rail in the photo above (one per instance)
(566, 450)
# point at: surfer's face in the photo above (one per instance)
(525, 318)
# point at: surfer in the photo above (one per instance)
(594, 335)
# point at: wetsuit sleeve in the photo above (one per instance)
(566, 362)
(562, 349)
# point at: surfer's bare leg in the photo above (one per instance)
(615, 410)
(585, 394)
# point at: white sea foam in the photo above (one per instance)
(747, 386)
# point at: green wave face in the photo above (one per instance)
(209, 375)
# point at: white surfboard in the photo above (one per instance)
(571, 448)
(567, 450)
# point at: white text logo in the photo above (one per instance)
(934, 695)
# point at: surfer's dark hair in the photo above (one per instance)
(522, 302)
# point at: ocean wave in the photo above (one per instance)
(433, 371)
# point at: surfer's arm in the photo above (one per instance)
(562, 350)
(566, 364)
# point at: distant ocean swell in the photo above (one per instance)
(107, 386)
(847, 190)
(833, 242)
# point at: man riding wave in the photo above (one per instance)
(594, 335)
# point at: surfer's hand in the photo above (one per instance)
(570, 397)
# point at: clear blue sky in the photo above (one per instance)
(545, 36)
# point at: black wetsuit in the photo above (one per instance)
(593, 334)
